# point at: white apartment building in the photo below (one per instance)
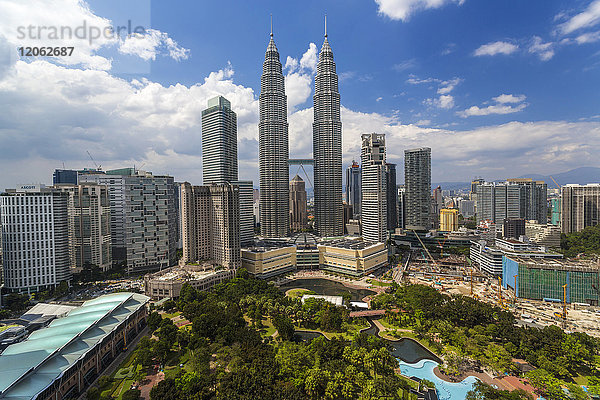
(35, 238)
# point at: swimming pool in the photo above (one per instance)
(446, 390)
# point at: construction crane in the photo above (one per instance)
(515, 276)
(500, 291)
(441, 245)
(564, 313)
(425, 247)
(98, 166)
(471, 282)
(557, 185)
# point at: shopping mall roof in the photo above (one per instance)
(29, 367)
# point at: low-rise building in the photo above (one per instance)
(540, 279)
(268, 259)
(168, 283)
(307, 252)
(63, 359)
(543, 234)
(489, 257)
(352, 257)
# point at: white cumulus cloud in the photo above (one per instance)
(544, 50)
(509, 98)
(299, 77)
(494, 48)
(151, 43)
(403, 9)
(448, 86)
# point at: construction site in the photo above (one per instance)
(563, 293)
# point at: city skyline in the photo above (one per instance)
(451, 87)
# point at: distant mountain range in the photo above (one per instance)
(581, 176)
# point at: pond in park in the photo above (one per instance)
(326, 287)
(415, 361)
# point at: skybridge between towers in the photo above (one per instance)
(302, 162)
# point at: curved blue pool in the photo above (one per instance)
(446, 390)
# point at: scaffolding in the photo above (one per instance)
(558, 280)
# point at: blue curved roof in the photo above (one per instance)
(29, 367)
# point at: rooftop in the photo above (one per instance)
(29, 367)
(560, 264)
(351, 244)
(185, 274)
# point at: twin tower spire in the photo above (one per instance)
(274, 147)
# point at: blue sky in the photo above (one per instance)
(496, 88)
(379, 54)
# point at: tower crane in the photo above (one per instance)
(98, 166)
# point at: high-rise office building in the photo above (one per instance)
(580, 207)
(391, 196)
(298, 211)
(353, 191)
(35, 238)
(515, 198)
(225, 225)
(219, 142)
(536, 198)
(374, 194)
(417, 181)
(273, 148)
(195, 208)
(142, 208)
(220, 158)
(555, 213)
(466, 208)
(210, 224)
(474, 184)
(89, 226)
(246, 195)
(116, 193)
(448, 219)
(401, 206)
(327, 147)
(67, 176)
(347, 216)
(499, 201)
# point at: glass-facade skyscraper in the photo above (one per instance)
(219, 142)
(353, 191)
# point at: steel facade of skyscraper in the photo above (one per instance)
(327, 147)
(417, 178)
(273, 148)
(219, 142)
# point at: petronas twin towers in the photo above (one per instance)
(274, 147)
